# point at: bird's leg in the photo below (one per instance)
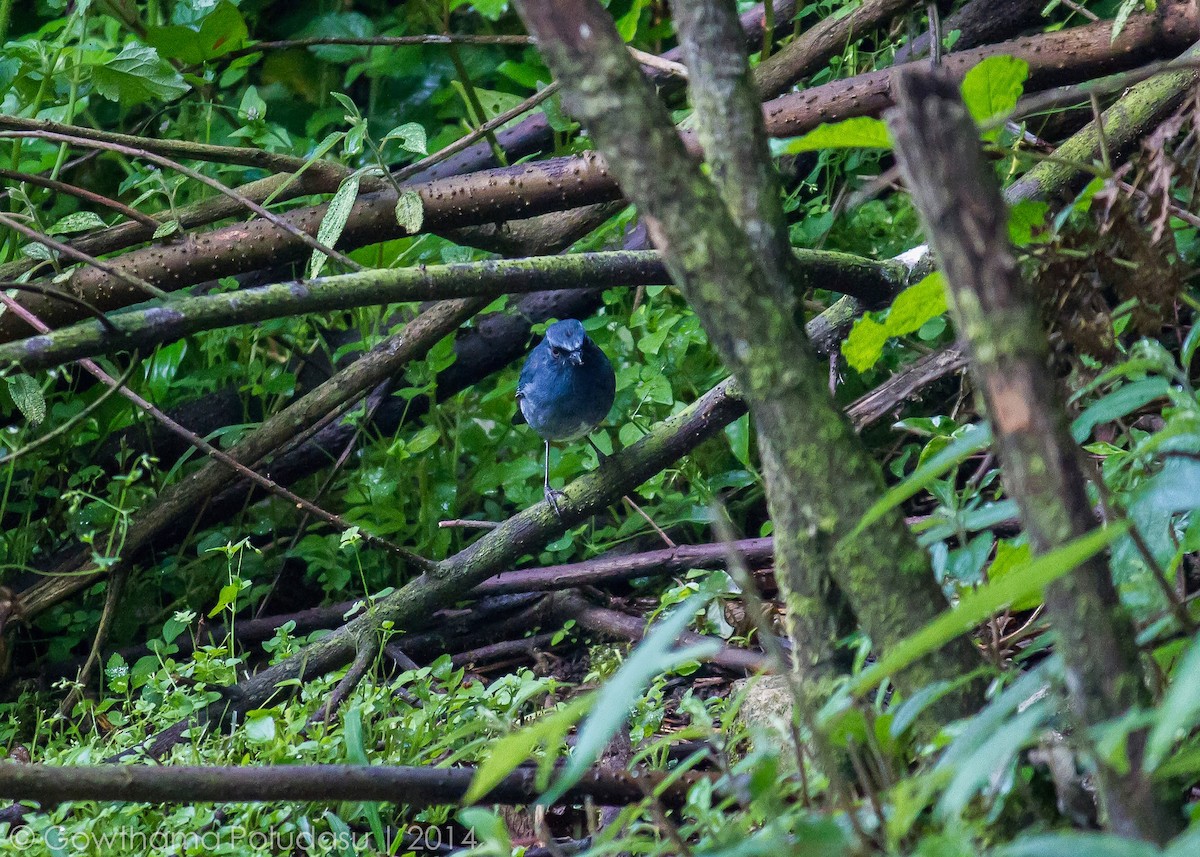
(551, 494)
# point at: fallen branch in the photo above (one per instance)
(415, 786)
(868, 281)
(78, 570)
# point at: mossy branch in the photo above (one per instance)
(868, 281)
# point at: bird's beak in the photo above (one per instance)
(576, 358)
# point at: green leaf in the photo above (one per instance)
(410, 211)
(260, 726)
(1008, 558)
(505, 755)
(38, 251)
(411, 136)
(423, 440)
(80, 221)
(984, 602)
(488, 826)
(655, 654)
(627, 24)
(1027, 222)
(1126, 9)
(334, 222)
(27, 396)
(1083, 844)
(168, 228)
(226, 598)
(356, 748)
(864, 346)
(909, 312)
(917, 304)
(253, 107)
(137, 75)
(493, 10)
(1179, 710)
(973, 439)
(222, 30)
(992, 88)
(859, 132)
(990, 758)
(1117, 404)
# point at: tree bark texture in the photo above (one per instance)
(883, 575)
(868, 281)
(966, 221)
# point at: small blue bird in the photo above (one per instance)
(566, 388)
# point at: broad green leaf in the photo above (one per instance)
(423, 440)
(222, 30)
(411, 137)
(343, 836)
(356, 754)
(260, 726)
(973, 439)
(27, 396)
(487, 826)
(410, 211)
(34, 250)
(1008, 558)
(1179, 710)
(1127, 8)
(253, 107)
(334, 222)
(1119, 403)
(859, 132)
(864, 346)
(911, 309)
(993, 87)
(137, 75)
(1025, 219)
(1077, 843)
(80, 221)
(977, 606)
(655, 654)
(627, 24)
(917, 304)
(225, 598)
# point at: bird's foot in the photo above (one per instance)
(552, 496)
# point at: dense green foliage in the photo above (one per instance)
(186, 70)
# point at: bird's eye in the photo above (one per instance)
(556, 351)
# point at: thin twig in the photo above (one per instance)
(144, 154)
(81, 193)
(378, 41)
(208, 449)
(79, 256)
(465, 142)
(65, 297)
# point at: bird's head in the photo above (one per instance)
(566, 339)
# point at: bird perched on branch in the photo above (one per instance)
(566, 388)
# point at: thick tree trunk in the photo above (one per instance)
(966, 221)
(824, 480)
